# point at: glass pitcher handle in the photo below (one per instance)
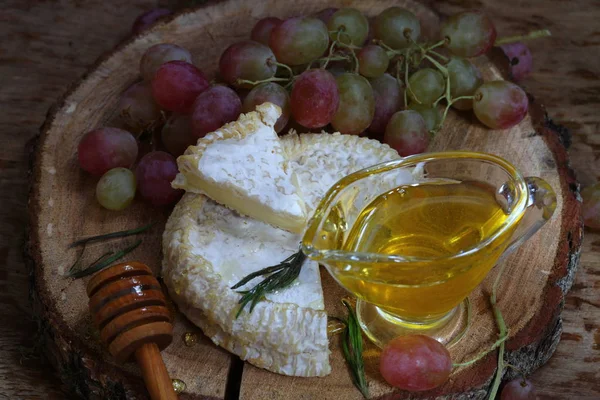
(541, 204)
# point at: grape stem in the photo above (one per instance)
(408, 88)
(254, 83)
(278, 64)
(438, 55)
(439, 66)
(520, 38)
(435, 45)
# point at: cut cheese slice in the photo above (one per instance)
(208, 248)
(243, 166)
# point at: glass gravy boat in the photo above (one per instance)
(412, 238)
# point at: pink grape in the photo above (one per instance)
(149, 18)
(415, 363)
(272, 93)
(518, 389)
(406, 132)
(500, 104)
(176, 85)
(154, 173)
(159, 54)
(389, 98)
(591, 206)
(106, 148)
(373, 61)
(176, 134)
(469, 33)
(314, 98)
(357, 104)
(299, 40)
(137, 108)
(261, 32)
(520, 60)
(247, 60)
(214, 108)
(325, 14)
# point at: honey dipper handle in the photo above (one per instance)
(155, 373)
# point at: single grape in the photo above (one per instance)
(272, 93)
(314, 98)
(500, 104)
(431, 115)
(159, 54)
(465, 78)
(325, 14)
(357, 104)
(247, 60)
(154, 173)
(520, 60)
(426, 86)
(406, 133)
(415, 363)
(176, 134)
(176, 85)
(149, 18)
(396, 27)
(261, 32)
(299, 40)
(591, 206)
(137, 108)
(116, 189)
(469, 33)
(389, 98)
(518, 389)
(106, 148)
(373, 61)
(352, 25)
(214, 108)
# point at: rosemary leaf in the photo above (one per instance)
(98, 265)
(277, 277)
(353, 351)
(111, 235)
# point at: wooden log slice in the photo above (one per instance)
(63, 208)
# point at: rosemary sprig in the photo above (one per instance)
(111, 235)
(279, 277)
(102, 262)
(353, 351)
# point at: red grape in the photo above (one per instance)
(396, 26)
(373, 61)
(149, 18)
(352, 24)
(465, 78)
(325, 14)
(407, 133)
(159, 54)
(591, 206)
(500, 104)
(154, 174)
(389, 97)
(137, 107)
(357, 104)
(518, 389)
(261, 32)
(106, 148)
(272, 93)
(176, 85)
(469, 33)
(415, 363)
(214, 108)
(247, 60)
(314, 98)
(177, 134)
(520, 60)
(299, 40)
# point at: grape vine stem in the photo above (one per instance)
(520, 38)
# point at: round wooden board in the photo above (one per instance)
(63, 208)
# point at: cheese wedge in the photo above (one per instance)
(242, 166)
(208, 248)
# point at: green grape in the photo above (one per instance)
(396, 26)
(431, 115)
(426, 86)
(469, 34)
(465, 78)
(373, 61)
(299, 40)
(116, 189)
(357, 104)
(352, 24)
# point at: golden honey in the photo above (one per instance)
(436, 229)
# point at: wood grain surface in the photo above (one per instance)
(48, 45)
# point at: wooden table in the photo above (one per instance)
(48, 45)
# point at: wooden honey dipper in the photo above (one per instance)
(130, 311)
